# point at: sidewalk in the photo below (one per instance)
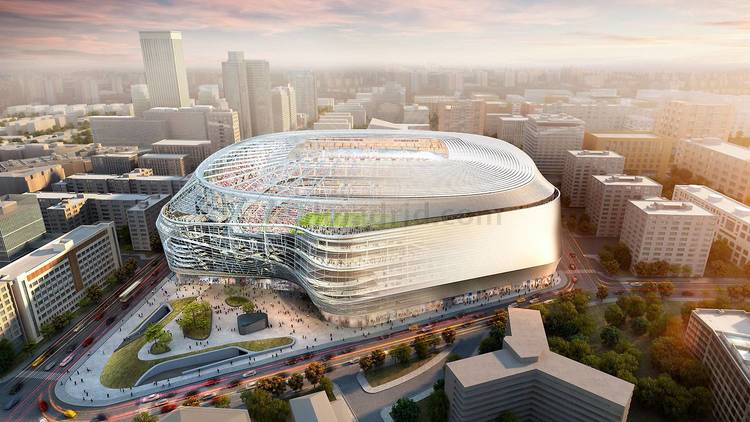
(411, 375)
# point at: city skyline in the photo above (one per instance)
(82, 34)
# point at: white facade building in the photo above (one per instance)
(608, 195)
(234, 76)
(511, 128)
(580, 165)
(548, 137)
(259, 89)
(725, 166)
(305, 88)
(164, 64)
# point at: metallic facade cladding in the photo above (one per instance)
(373, 225)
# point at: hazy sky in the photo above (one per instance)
(103, 33)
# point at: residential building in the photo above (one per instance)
(677, 232)
(209, 95)
(234, 76)
(164, 164)
(280, 103)
(10, 324)
(681, 120)
(114, 163)
(382, 124)
(53, 279)
(645, 153)
(223, 129)
(526, 378)
(465, 116)
(598, 117)
(733, 217)
(510, 129)
(638, 123)
(164, 65)
(305, 88)
(548, 137)
(580, 165)
(416, 114)
(21, 224)
(259, 88)
(134, 182)
(356, 110)
(724, 166)
(608, 195)
(196, 150)
(33, 179)
(719, 338)
(127, 130)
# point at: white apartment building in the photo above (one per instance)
(733, 217)
(54, 278)
(196, 150)
(580, 165)
(639, 123)
(548, 137)
(682, 120)
(140, 98)
(281, 114)
(305, 88)
(600, 116)
(234, 76)
(416, 114)
(259, 89)
(678, 232)
(609, 194)
(357, 111)
(140, 181)
(165, 164)
(164, 65)
(465, 116)
(10, 324)
(724, 166)
(510, 128)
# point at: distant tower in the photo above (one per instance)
(234, 75)
(307, 95)
(259, 88)
(165, 68)
(140, 99)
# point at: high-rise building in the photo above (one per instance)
(723, 165)
(465, 116)
(164, 65)
(259, 88)
(140, 98)
(534, 383)
(280, 103)
(307, 94)
(677, 232)
(53, 279)
(645, 153)
(20, 224)
(681, 120)
(223, 128)
(416, 114)
(719, 339)
(164, 164)
(234, 76)
(209, 95)
(510, 128)
(608, 195)
(734, 217)
(548, 137)
(196, 150)
(579, 166)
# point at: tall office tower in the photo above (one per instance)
(20, 224)
(681, 120)
(209, 95)
(280, 104)
(140, 98)
(165, 68)
(580, 165)
(89, 91)
(292, 106)
(660, 229)
(234, 75)
(465, 116)
(259, 88)
(307, 95)
(547, 138)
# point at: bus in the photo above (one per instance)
(67, 359)
(128, 293)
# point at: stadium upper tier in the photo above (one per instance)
(335, 182)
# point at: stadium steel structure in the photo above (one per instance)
(374, 225)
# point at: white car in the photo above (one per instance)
(249, 373)
(150, 397)
(160, 403)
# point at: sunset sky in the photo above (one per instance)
(615, 33)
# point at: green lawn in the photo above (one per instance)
(384, 374)
(124, 368)
(236, 301)
(342, 219)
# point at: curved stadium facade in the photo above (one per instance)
(374, 225)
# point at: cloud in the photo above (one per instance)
(734, 24)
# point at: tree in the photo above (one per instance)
(296, 382)
(611, 266)
(152, 332)
(422, 345)
(94, 293)
(636, 307)
(145, 417)
(720, 251)
(449, 335)
(378, 357)
(402, 354)
(366, 363)
(155, 242)
(275, 385)
(653, 311)
(221, 401)
(602, 292)
(193, 401)
(666, 289)
(327, 386)
(614, 315)
(610, 336)
(7, 355)
(405, 410)
(639, 325)
(438, 406)
(507, 417)
(248, 307)
(263, 407)
(195, 317)
(314, 371)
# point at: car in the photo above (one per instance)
(212, 381)
(69, 348)
(636, 284)
(102, 417)
(619, 292)
(191, 393)
(233, 383)
(167, 408)
(16, 388)
(688, 293)
(70, 413)
(251, 385)
(574, 279)
(110, 320)
(572, 266)
(42, 419)
(572, 255)
(534, 300)
(352, 361)
(291, 361)
(208, 396)
(87, 342)
(42, 405)
(99, 316)
(160, 403)
(169, 395)
(10, 403)
(521, 300)
(50, 366)
(150, 397)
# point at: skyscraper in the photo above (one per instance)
(141, 100)
(284, 108)
(307, 95)
(234, 75)
(165, 68)
(259, 88)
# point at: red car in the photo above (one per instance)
(575, 279)
(87, 342)
(167, 408)
(43, 406)
(572, 266)
(572, 255)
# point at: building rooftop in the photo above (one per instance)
(206, 414)
(625, 135)
(54, 248)
(721, 147)
(164, 156)
(662, 206)
(182, 142)
(595, 154)
(313, 407)
(527, 350)
(625, 180)
(23, 172)
(555, 119)
(733, 327)
(726, 204)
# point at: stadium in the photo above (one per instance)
(374, 225)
